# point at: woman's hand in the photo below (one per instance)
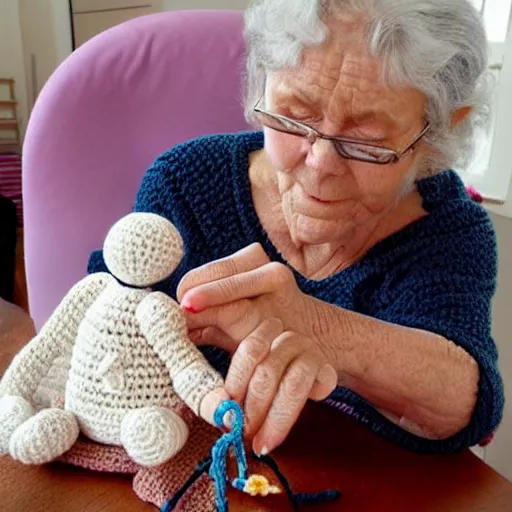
(414, 377)
(235, 294)
(272, 374)
(254, 309)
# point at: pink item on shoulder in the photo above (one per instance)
(474, 194)
(487, 440)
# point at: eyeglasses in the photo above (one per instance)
(346, 148)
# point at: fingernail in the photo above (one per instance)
(190, 309)
(229, 419)
(262, 452)
(188, 306)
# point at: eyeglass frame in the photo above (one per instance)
(313, 134)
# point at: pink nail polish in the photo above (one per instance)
(191, 309)
(187, 306)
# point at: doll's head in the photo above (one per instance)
(142, 249)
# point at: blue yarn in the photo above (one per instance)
(236, 435)
(317, 497)
(301, 498)
(272, 464)
(232, 439)
(202, 467)
(216, 465)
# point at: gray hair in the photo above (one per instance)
(439, 47)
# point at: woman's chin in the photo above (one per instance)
(310, 231)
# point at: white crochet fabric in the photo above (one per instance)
(15, 411)
(50, 433)
(118, 349)
(142, 249)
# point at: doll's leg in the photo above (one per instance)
(153, 435)
(14, 411)
(44, 437)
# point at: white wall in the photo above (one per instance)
(11, 55)
(171, 5)
(94, 16)
(499, 453)
(46, 34)
(35, 37)
(62, 29)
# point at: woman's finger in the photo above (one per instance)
(249, 354)
(269, 278)
(246, 259)
(215, 337)
(289, 401)
(267, 377)
(211, 402)
(325, 383)
(237, 319)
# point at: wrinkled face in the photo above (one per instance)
(338, 90)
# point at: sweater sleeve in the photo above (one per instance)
(448, 291)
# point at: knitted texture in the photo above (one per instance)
(152, 435)
(53, 346)
(14, 411)
(44, 437)
(232, 440)
(99, 457)
(157, 484)
(161, 321)
(437, 274)
(143, 249)
(118, 349)
(114, 369)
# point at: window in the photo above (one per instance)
(491, 169)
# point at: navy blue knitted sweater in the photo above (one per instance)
(438, 274)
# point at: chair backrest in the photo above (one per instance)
(107, 112)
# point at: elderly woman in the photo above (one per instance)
(335, 255)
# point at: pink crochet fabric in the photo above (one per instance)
(487, 440)
(157, 484)
(200, 497)
(98, 457)
(474, 194)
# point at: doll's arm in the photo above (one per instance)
(55, 339)
(163, 325)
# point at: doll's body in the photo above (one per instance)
(113, 369)
(127, 360)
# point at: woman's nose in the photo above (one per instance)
(323, 158)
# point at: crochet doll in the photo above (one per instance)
(115, 347)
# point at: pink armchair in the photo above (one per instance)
(112, 107)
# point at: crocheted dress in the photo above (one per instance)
(437, 274)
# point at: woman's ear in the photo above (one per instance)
(459, 115)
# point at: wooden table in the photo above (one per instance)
(373, 475)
